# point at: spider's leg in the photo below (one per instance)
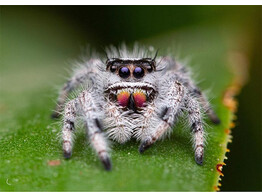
(181, 74)
(206, 105)
(195, 120)
(184, 77)
(78, 78)
(94, 128)
(175, 96)
(69, 127)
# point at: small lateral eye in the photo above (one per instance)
(138, 72)
(124, 72)
(148, 67)
(113, 68)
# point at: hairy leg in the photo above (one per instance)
(69, 127)
(181, 74)
(78, 78)
(206, 106)
(174, 96)
(94, 127)
(195, 121)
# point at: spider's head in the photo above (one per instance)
(130, 82)
(131, 68)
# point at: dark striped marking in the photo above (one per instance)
(194, 126)
(72, 125)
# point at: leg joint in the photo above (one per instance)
(196, 126)
(70, 123)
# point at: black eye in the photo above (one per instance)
(113, 68)
(148, 67)
(138, 72)
(124, 72)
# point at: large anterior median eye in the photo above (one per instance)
(124, 72)
(138, 72)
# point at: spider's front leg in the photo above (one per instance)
(94, 127)
(174, 98)
(179, 98)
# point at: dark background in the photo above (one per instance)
(114, 24)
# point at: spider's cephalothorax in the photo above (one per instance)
(131, 94)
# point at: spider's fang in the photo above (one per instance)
(131, 103)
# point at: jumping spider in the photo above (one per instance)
(132, 93)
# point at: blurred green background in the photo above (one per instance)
(48, 32)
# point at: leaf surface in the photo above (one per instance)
(31, 154)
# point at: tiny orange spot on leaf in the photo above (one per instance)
(54, 162)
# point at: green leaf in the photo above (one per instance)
(31, 154)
